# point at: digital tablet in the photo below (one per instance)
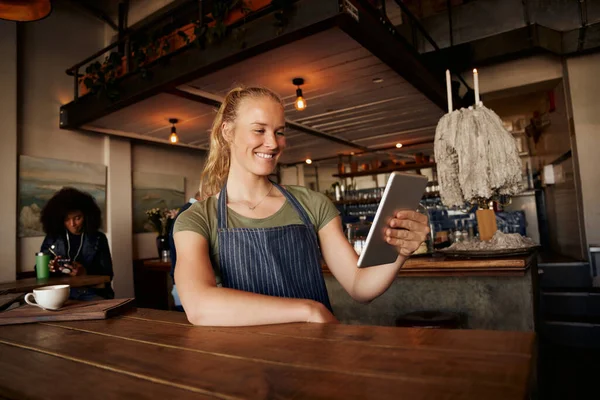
(402, 192)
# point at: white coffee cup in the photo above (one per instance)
(49, 297)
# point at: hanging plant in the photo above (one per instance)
(284, 9)
(101, 78)
(184, 36)
(217, 29)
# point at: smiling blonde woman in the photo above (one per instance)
(250, 252)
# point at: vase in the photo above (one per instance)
(162, 243)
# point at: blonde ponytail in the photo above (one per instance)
(216, 168)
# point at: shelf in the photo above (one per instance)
(386, 170)
(357, 201)
(433, 195)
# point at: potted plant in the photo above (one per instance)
(160, 220)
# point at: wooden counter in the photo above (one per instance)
(451, 266)
(154, 264)
(444, 263)
(497, 293)
(158, 354)
(27, 285)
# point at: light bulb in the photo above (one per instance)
(300, 103)
(308, 161)
(173, 138)
(398, 145)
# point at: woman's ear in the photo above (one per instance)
(227, 129)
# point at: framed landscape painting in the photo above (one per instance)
(40, 178)
(152, 190)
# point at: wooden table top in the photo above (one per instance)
(27, 285)
(157, 354)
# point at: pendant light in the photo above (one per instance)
(24, 10)
(173, 138)
(300, 103)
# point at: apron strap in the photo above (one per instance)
(304, 216)
(222, 208)
(296, 204)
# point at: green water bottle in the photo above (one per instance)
(41, 265)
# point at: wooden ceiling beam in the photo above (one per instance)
(194, 94)
(385, 149)
(374, 33)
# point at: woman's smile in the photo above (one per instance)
(266, 156)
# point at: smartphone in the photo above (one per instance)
(63, 261)
(62, 265)
(402, 192)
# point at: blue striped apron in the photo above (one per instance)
(283, 261)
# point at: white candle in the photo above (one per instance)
(449, 90)
(476, 84)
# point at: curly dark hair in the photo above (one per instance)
(63, 202)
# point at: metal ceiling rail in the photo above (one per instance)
(428, 37)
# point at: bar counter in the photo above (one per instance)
(490, 293)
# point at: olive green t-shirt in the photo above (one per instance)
(201, 217)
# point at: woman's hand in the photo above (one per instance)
(53, 264)
(320, 314)
(76, 269)
(406, 231)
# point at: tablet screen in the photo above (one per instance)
(402, 192)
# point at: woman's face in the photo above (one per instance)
(258, 138)
(74, 222)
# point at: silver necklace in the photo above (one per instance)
(256, 205)
(69, 246)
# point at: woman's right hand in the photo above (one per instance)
(320, 314)
(52, 265)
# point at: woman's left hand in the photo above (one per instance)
(406, 231)
(76, 269)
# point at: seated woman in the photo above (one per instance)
(249, 253)
(71, 220)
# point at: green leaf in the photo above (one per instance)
(185, 36)
(114, 59)
(88, 82)
(94, 67)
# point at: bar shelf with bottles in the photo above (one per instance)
(448, 225)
